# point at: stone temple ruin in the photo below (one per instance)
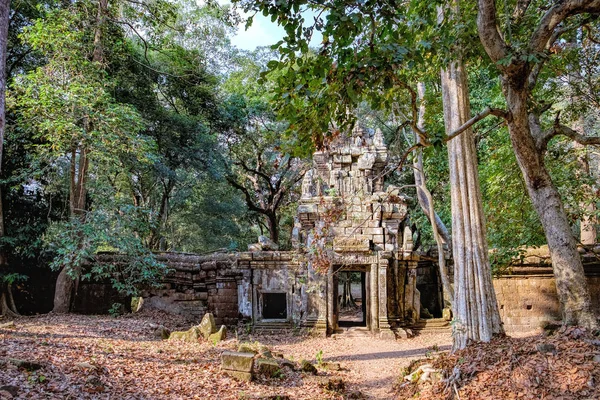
(348, 225)
(347, 222)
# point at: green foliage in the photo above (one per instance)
(118, 229)
(67, 101)
(116, 309)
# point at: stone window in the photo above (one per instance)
(274, 306)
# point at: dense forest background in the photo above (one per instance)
(138, 127)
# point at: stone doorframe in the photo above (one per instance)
(376, 297)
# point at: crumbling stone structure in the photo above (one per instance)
(352, 223)
(347, 221)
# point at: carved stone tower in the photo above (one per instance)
(347, 222)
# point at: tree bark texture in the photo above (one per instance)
(475, 308)
(571, 284)
(4, 23)
(587, 231)
(440, 232)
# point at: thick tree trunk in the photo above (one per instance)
(571, 284)
(440, 232)
(4, 22)
(475, 308)
(273, 227)
(587, 230)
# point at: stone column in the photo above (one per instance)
(330, 302)
(316, 317)
(385, 330)
(374, 298)
(412, 295)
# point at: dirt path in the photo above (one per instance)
(372, 366)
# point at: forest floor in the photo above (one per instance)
(100, 357)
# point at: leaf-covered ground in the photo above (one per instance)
(564, 365)
(100, 357)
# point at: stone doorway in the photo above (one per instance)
(274, 306)
(430, 287)
(351, 298)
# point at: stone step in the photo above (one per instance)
(270, 328)
(434, 322)
(351, 332)
(434, 325)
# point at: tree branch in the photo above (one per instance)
(559, 129)
(475, 119)
(520, 9)
(249, 201)
(555, 16)
(487, 27)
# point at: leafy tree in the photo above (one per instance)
(261, 168)
(68, 104)
(520, 58)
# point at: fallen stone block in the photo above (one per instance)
(207, 326)
(162, 332)
(267, 367)
(218, 336)
(239, 375)
(191, 336)
(237, 365)
(308, 367)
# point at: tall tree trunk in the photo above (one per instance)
(6, 308)
(571, 284)
(68, 278)
(273, 227)
(157, 241)
(475, 308)
(440, 232)
(587, 230)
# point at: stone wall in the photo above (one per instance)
(526, 302)
(198, 284)
(228, 285)
(527, 298)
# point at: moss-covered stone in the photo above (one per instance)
(308, 367)
(207, 326)
(218, 336)
(267, 367)
(191, 336)
(236, 361)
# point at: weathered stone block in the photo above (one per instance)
(236, 361)
(267, 367)
(218, 336)
(242, 376)
(191, 336)
(207, 326)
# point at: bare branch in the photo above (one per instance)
(475, 119)
(561, 130)
(555, 16)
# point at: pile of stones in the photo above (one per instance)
(206, 330)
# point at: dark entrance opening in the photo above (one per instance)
(429, 284)
(274, 306)
(351, 299)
